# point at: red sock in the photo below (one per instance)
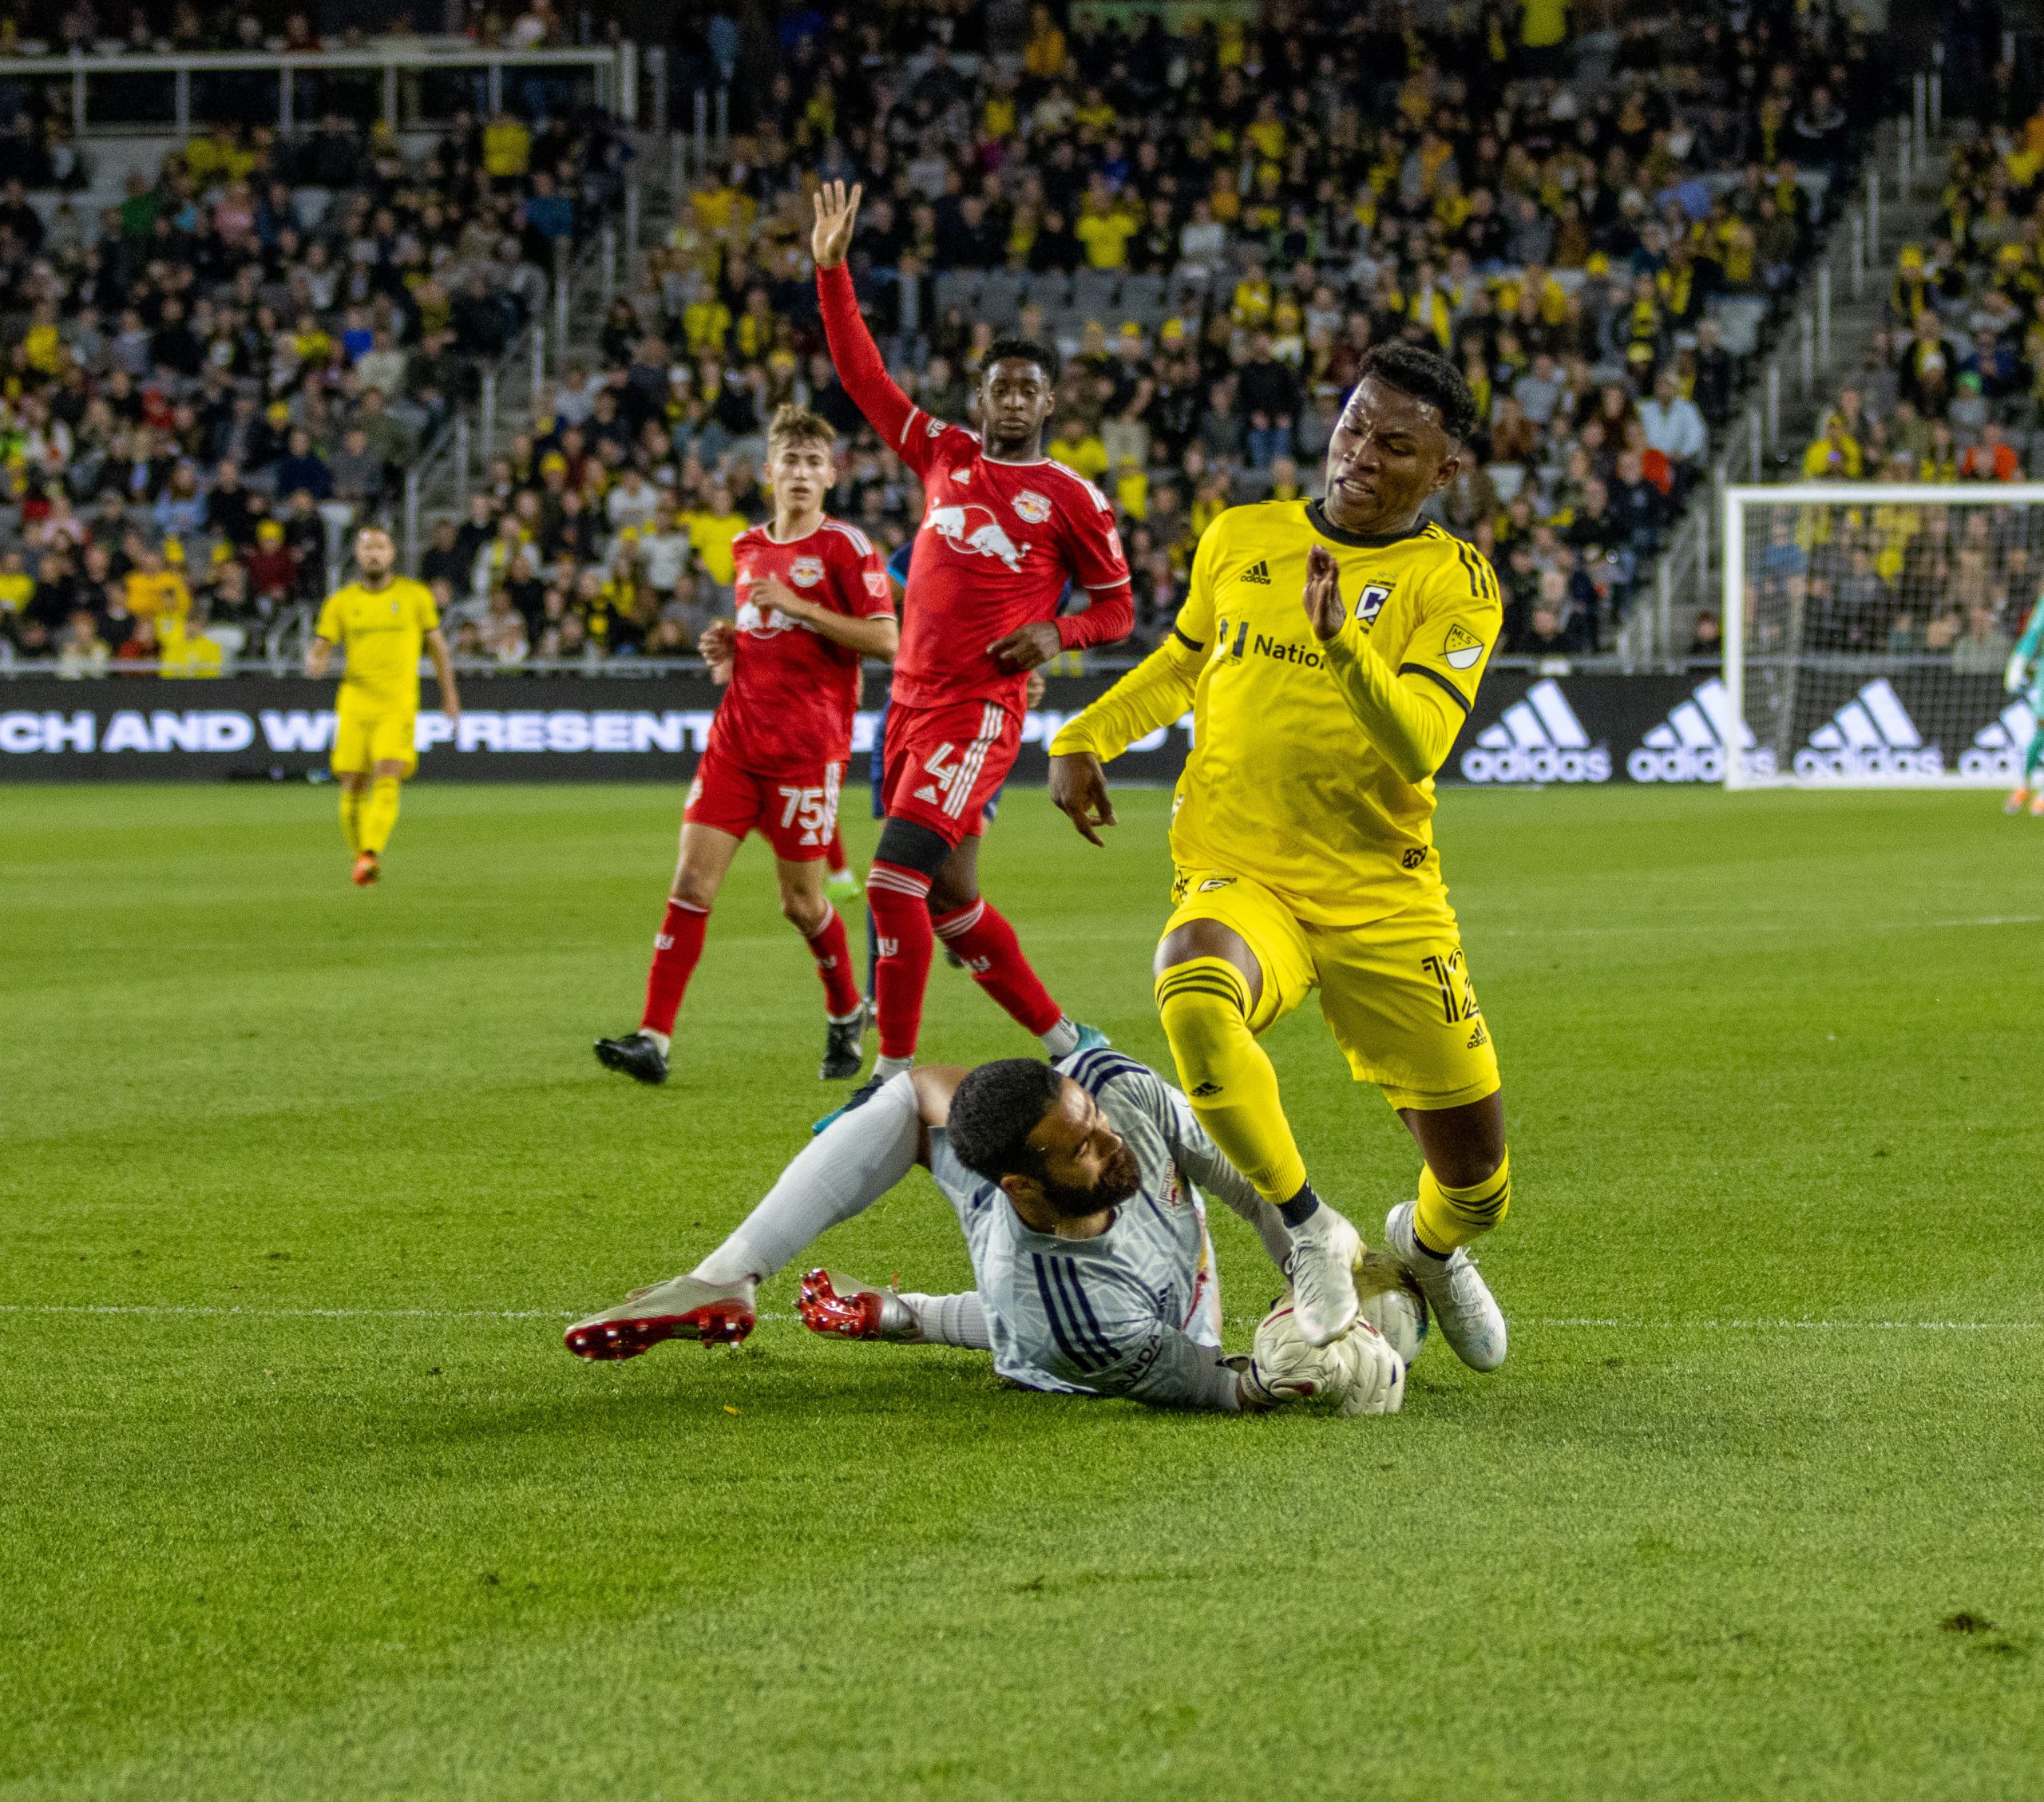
(899, 899)
(987, 944)
(675, 954)
(833, 854)
(827, 944)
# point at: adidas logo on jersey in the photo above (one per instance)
(1257, 572)
(1689, 746)
(1478, 1039)
(1539, 740)
(1205, 1090)
(1871, 735)
(1999, 749)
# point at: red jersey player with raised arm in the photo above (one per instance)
(1003, 530)
(813, 598)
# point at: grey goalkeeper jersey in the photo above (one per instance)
(1137, 1311)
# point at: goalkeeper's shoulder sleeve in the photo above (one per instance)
(1200, 1161)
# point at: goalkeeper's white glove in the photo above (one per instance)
(2018, 677)
(1373, 1374)
(1359, 1373)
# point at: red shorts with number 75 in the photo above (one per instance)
(794, 810)
(944, 764)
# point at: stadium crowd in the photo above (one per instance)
(1213, 228)
(1951, 390)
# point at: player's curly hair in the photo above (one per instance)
(1022, 350)
(1428, 376)
(994, 1110)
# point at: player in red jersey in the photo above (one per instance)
(813, 598)
(1003, 530)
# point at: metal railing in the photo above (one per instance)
(613, 70)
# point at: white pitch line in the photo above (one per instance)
(1994, 919)
(1562, 1323)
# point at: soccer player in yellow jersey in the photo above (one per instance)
(382, 622)
(1330, 652)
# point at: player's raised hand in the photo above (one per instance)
(1323, 597)
(1079, 790)
(1026, 646)
(836, 212)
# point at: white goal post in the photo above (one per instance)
(1867, 630)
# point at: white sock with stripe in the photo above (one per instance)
(951, 1320)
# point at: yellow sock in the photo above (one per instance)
(1447, 1217)
(379, 813)
(351, 818)
(1204, 1005)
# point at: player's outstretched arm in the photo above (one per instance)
(860, 365)
(1158, 691)
(1409, 718)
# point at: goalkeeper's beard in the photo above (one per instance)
(1119, 1182)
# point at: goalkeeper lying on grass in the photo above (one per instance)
(1074, 1183)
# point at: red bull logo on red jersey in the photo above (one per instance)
(973, 530)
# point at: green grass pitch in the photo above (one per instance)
(300, 1497)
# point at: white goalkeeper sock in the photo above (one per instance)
(951, 1320)
(842, 1171)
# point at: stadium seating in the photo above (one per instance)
(1213, 228)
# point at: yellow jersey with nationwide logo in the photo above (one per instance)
(383, 633)
(1283, 784)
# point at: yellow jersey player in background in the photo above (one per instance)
(382, 622)
(1330, 652)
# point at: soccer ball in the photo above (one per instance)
(1390, 1302)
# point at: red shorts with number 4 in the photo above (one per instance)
(944, 764)
(794, 810)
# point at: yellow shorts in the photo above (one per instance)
(364, 737)
(1395, 994)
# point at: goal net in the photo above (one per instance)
(1868, 631)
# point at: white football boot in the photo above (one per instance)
(681, 1308)
(1463, 1307)
(1322, 1268)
